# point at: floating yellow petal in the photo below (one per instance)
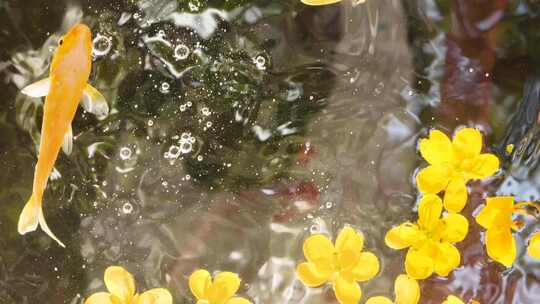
(432, 179)
(379, 300)
(199, 281)
(120, 283)
(319, 2)
(155, 296)
(402, 236)
(534, 246)
(366, 268)
(467, 143)
(456, 227)
(455, 196)
(437, 149)
(429, 211)
(347, 291)
(407, 290)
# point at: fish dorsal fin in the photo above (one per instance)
(67, 145)
(38, 89)
(94, 102)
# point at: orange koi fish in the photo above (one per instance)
(65, 87)
(319, 2)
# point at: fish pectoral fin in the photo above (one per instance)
(67, 145)
(94, 102)
(38, 89)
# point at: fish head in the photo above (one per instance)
(79, 36)
(74, 51)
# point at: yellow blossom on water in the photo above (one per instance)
(407, 292)
(455, 300)
(343, 264)
(121, 288)
(496, 218)
(221, 290)
(452, 164)
(534, 245)
(430, 240)
(319, 2)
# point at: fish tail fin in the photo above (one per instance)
(32, 216)
(28, 220)
(46, 229)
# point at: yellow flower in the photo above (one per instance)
(534, 245)
(319, 2)
(496, 218)
(455, 300)
(407, 292)
(121, 288)
(452, 164)
(219, 291)
(343, 265)
(430, 240)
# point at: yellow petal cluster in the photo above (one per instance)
(430, 240)
(121, 287)
(497, 218)
(452, 164)
(406, 289)
(220, 290)
(342, 264)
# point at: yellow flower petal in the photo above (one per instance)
(467, 143)
(318, 249)
(225, 285)
(120, 283)
(433, 179)
(495, 206)
(429, 212)
(199, 282)
(455, 196)
(407, 290)
(349, 244)
(311, 276)
(379, 300)
(366, 268)
(484, 165)
(155, 296)
(447, 259)
(456, 228)
(419, 264)
(534, 246)
(238, 301)
(347, 291)
(501, 245)
(319, 2)
(402, 236)
(99, 298)
(437, 149)
(453, 300)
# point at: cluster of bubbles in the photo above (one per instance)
(186, 105)
(185, 146)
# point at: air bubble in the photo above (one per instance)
(181, 52)
(208, 124)
(200, 158)
(329, 205)
(186, 147)
(314, 229)
(150, 122)
(174, 151)
(125, 153)
(260, 62)
(101, 45)
(165, 87)
(205, 111)
(127, 208)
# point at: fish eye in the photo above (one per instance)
(61, 41)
